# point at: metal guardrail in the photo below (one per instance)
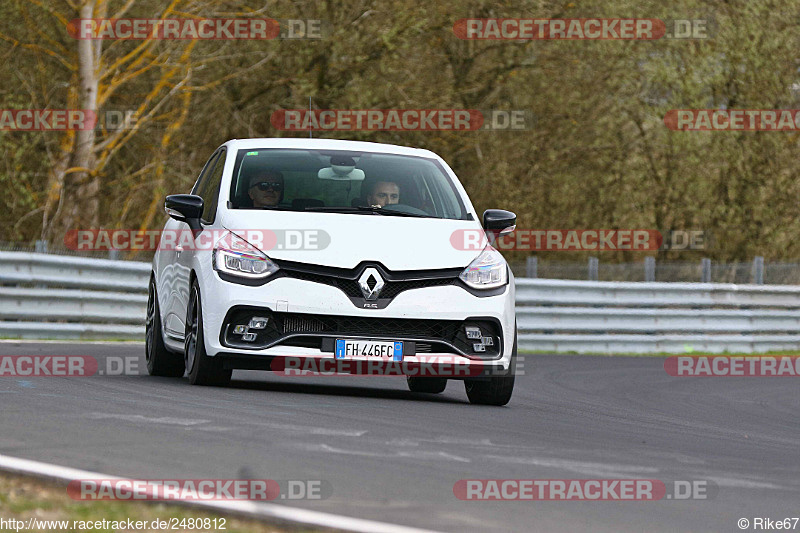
(58, 297)
(634, 317)
(75, 272)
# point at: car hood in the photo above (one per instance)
(345, 240)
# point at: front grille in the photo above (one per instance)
(291, 323)
(390, 289)
(299, 329)
(347, 280)
(424, 347)
(294, 324)
(393, 288)
(349, 287)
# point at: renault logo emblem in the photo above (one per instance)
(364, 283)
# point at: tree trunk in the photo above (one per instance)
(80, 204)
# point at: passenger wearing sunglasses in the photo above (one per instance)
(266, 188)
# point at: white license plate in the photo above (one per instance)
(369, 350)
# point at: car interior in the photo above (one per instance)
(304, 186)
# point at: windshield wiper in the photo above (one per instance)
(393, 213)
(367, 209)
(362, 209)
(342, 209)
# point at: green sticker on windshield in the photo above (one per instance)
(251, 153)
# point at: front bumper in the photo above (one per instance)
(442, 311)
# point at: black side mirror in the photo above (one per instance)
(499, 221)
(185, 208)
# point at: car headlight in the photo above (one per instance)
(237, 257)
(487, 271)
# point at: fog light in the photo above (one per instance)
(479, 347)
(258, 322)
(487, 341)
(473, 332)
(249, 337)
(240, 330)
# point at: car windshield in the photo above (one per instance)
(344, 182)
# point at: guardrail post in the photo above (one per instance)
(113, 254)
(705, 264)
(649, 268)
(532, 267)
(758, 270)
(41, 247)
(594, 267)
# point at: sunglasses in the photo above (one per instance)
(269, 186)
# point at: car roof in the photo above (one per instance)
(327, 144)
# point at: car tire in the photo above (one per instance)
(496, 390)
(160, 361)
(429, 385)
(202, 369)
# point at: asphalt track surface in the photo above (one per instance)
(394, 456)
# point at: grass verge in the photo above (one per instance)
(23, 498)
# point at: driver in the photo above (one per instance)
(383, 193)
(266, 188)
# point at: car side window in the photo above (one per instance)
(208, 186)
(205, 173)
(211, 199)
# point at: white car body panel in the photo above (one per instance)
(397, 243)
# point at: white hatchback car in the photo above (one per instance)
(330, 251)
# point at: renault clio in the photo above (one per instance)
(382, 277)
